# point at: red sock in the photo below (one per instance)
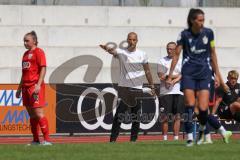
(43, 122)
(34, 129)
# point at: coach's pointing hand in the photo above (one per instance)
(103, 47)
(112, 51)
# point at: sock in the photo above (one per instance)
(213, 121)
(208, 137)
(222, 130)
(203, 117)
(34, 129)
(202, 127)
(43, 122)
(188, 122)
(175, 137)
(207, 129)
(236, 116)
(165, 137)
(190, 136)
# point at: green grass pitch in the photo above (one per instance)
(123, 151)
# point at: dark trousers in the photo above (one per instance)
(122, 115)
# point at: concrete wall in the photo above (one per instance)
(166, 3)
(66, 32)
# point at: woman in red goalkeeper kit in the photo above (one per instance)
(32, 87)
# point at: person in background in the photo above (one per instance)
(171, 98)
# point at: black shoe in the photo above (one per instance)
(112, 140)
(133, 139)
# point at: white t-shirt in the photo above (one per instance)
(164, 65)
(131, 68)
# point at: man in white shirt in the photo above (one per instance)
(171, 98)
(134, 66)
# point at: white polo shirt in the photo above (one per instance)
(164, 65)
(131, 68)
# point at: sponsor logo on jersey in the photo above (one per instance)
(197, 51)
(26, 65)
(193, 48)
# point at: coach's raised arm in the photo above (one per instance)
(111, 51)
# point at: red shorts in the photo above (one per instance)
(30, 99)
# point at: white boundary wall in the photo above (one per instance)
(66, 32)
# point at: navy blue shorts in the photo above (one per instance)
(195, 84)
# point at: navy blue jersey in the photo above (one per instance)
(196, 53)
(229, 97)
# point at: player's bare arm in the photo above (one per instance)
(111, 51)
(176, 78)
(162, 76)
(238, 100)
(149, 77)
(218, 76)
(40, 80)
(19, 90)
(217, 103)
(173, 64)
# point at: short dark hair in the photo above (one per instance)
(132, 33)
(34, 36)
(192, 15)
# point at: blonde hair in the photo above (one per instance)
(233, 74)
(34, 36)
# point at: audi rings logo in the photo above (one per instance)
(100, 116)
(84, 103)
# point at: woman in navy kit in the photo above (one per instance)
(199, 59)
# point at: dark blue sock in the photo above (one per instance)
(207, 129)
(213, 121)
(188, 121)
(203, 117)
